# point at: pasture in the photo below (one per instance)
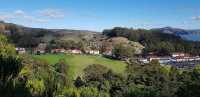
(77, 63)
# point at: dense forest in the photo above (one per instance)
(156, 41)
(24, 76)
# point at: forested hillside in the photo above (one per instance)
(30, 37)
(155, 40)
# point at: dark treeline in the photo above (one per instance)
(23, 76)
(156, 40)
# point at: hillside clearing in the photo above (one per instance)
(77, 63)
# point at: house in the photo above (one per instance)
(20, 50)
(161, 60)
(150, 58)
(39, 51)
(179, 55)
(7, 32)
(95, 52)
(74, 51)
(184, 59)
(197, 58)
(143, 60)
(60, 50)
(92, 52)
(165, 59)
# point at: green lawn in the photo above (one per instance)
(78, 62)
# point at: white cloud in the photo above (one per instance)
(52, 13)
(41, 16)
(196, 18)
(19, 13)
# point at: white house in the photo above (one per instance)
(20, 50)
(93, 52)
(150, 58)
(178, 54)
(165, 60)
(39, 51)
(161, 60)
(143, 60)
(60, 50)
(74, 51)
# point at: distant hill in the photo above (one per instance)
(29, 37)
(8, 28)
(177, 31)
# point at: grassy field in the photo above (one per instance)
(78, 62)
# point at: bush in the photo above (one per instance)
(94, 72)
(92, 92)
(36, 87)
(69, 92)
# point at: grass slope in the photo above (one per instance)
(78, 62)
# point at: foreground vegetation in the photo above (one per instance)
(77, 63)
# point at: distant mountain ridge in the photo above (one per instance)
(8, 27)
(20, 33)
(178, 31)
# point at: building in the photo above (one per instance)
(92, 52)
(186, 59)
(179, 60)
(143, 60)
(39, 51)
(164, 60)
(60, 50)
(179, 55)
(161, 60)
(74, 51)
(150, 58)
(20, 50)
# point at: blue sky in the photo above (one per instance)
(102, 14)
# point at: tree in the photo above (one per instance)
(69, 92)
(190, 85)
(94, 72)
(123, 51)
(92, 92)
(140, 92)
(62, 68)
(10, 65)
(36, 87)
